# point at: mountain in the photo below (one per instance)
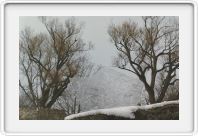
(109, 87)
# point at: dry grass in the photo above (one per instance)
(42, 114)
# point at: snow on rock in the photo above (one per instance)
(126, 112)
(121, 111)
(146, 107)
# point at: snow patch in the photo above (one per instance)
(127, 112)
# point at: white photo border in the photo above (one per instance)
(3, 60)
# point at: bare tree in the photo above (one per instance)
(150, 51)
(68, 102)
(48, 61)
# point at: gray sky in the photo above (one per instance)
(94, 30)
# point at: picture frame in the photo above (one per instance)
(10, 12)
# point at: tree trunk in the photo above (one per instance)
(151, 96)
(162, 94)
(151, 93)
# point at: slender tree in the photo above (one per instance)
(150, 51)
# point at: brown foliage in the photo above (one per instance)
(49, 61)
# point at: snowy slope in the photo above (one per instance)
(109, 87)
(127, 112)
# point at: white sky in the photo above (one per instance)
(94, 30)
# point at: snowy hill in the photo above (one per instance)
(109, 87)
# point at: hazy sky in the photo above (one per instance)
(94, 30)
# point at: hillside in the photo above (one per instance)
(109, 87)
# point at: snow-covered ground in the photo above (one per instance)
(127, 112)
(109, 87)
